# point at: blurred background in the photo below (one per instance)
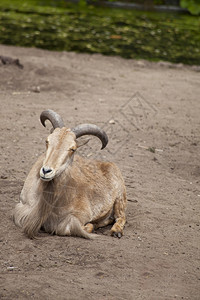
(167, 30)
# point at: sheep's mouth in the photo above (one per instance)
(46, 178)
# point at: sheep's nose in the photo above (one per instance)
(46, 170)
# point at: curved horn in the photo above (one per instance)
(53, 117)
(90, 129)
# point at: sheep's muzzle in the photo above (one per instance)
(47, 173)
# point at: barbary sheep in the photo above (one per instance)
(66, 194)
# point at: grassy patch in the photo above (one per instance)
(130, 34)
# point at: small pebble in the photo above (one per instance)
(36, 89)
(10, 268)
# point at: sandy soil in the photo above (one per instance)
(155, 141)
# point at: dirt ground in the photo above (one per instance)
(151, 114)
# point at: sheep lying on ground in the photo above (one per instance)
(66, 194)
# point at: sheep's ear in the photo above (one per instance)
(82, 142)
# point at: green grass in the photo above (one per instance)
(130, 34)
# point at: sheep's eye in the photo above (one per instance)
(73, 149)
(47, 142)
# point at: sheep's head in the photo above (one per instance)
(61, 146)
(62, 143)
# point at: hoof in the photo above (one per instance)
(117, 234)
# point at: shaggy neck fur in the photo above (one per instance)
(50, 194)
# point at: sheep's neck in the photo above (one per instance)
(54, 190)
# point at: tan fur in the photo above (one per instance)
(79, 196)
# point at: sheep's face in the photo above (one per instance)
(61, 145)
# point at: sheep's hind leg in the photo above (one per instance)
(120, 218)
(104, 222)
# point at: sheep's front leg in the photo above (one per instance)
(89, 227)
(72, 226)
(120, 218)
